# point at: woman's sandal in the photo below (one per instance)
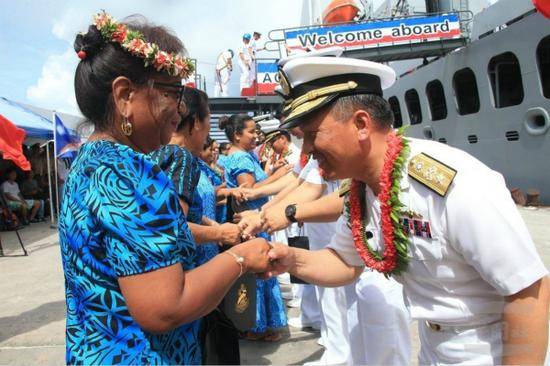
(273, 337)
(251, 336)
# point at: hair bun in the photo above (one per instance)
(222, 122)
(89, 42)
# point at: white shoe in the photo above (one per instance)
(297, 323)
(320, 342)
(294, 303)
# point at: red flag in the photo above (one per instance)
(11, 143)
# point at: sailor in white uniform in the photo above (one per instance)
(474, 280)
(244, 60)
(224, 67)
(255, 46)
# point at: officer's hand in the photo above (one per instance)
(274, 219)
(255, 255)
(250, 194)
(282, 259)
(239, 216)
(251, 225)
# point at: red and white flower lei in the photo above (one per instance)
(395, 258)
(134, 42)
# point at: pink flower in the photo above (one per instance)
(120, 34)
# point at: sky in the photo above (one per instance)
(37, 59)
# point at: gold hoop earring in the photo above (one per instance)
(126, 127)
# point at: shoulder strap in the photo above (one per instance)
(431, 173)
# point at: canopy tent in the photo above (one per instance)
(35, 125)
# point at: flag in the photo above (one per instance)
(66, 143)
(11, 143)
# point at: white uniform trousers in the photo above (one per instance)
(221, 88)
(310, 313)
(384, 322)
(252, 73)
(245, 75)
(335, 331)
(480, 345)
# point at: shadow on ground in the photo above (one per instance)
(261, 352)
(27, 321)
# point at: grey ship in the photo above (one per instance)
(489, 96)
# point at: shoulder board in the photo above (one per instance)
(432, 173)
(344, 187)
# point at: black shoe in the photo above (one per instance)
(35, 220)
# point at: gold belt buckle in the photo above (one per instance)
(433, 326)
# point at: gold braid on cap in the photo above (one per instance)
(321, 92)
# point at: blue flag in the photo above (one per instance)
(66, 142)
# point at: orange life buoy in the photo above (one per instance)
(339, 11)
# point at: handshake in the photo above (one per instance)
(264, 258)
(268, 220)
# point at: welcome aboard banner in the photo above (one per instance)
(374, 33)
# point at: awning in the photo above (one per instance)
(35, 125)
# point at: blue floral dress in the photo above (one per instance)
(120, 217)
(207, 194)
(270, 309)
(216, 178)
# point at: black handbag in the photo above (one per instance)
(301, 242)
(234, 207)
(239, 304)
(219, 340)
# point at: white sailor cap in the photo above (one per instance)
(269, 125)
(311, 82)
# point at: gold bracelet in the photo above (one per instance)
(238, 259)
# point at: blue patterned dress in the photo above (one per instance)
(270, 309)
(120, 217)
(216, 178)
(207, 195)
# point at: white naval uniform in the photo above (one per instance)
(310, 313)
(244, 49)
(356, 331)
(254, 45)
(336, 328)
(478, 252)
(223, 75)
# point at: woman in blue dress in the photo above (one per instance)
(123, 235)
(242, 168)
(207, 193)
(179, 160)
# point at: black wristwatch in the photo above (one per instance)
(290, 212)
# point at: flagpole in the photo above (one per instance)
(52, 223)
(55, 163)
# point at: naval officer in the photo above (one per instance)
(432, 216)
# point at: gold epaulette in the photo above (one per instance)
(432, 173)
(344, 187)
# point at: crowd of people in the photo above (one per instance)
(26, 193)
(157, 222)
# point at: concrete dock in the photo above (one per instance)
(32, 303)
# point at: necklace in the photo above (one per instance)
(394, 259)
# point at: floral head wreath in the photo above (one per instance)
(134, 42)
